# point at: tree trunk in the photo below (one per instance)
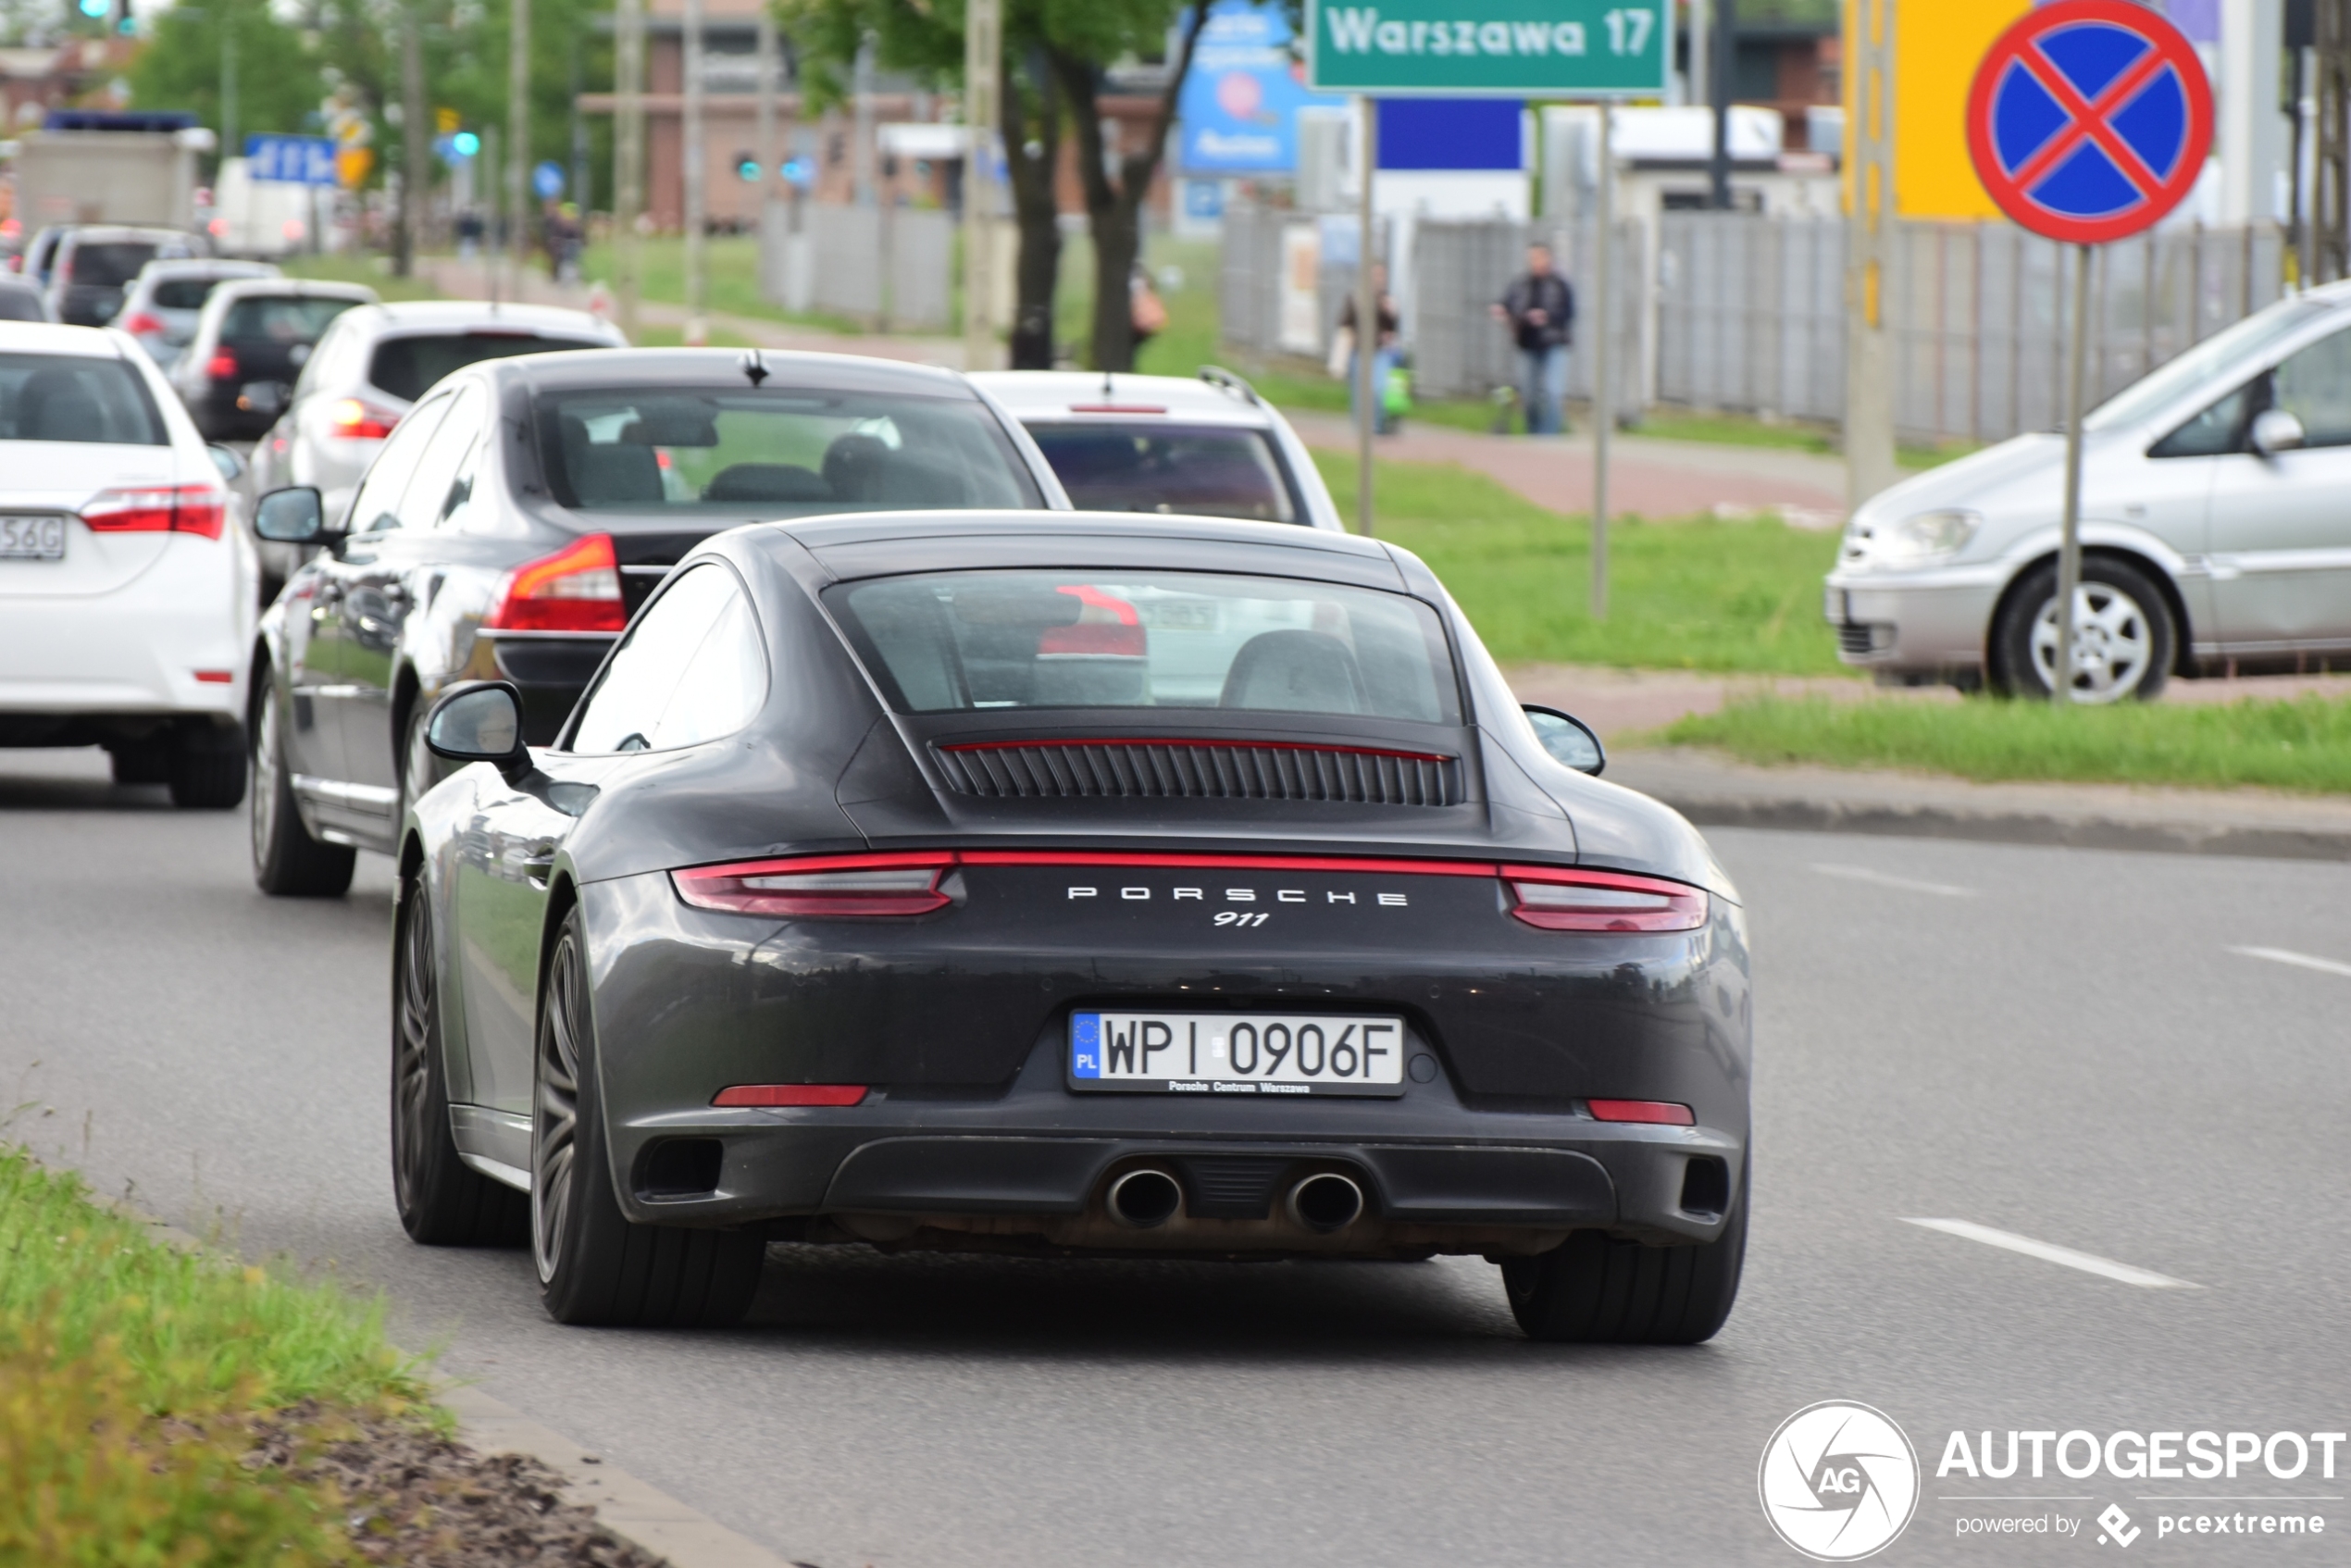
(1027, 117)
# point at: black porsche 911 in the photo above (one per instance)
(1071, 885)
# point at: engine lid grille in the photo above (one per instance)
(1199, 769)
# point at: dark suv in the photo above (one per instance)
(521, 513)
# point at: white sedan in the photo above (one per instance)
(127, 582)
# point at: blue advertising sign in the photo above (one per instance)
(292, 160)
(1241, 103)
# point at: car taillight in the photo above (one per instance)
(187, 508)
(1661, 1113)
(221, 366)
(355, 420)
(138, 324)
(576, 589)
(1560, 900)
(821, 886)
(789, 1094)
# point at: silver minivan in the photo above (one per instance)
(2216, 531)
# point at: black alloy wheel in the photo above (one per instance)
(1595, 1289)
(287, 862)
(443, 1201)
(596, 1266)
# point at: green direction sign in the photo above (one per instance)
(1509, 48)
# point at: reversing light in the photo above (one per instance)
(576, 589)
(789, 1094)
(1560, 900)
(355, 420)
(1663, 1113)
(187, 508)
(823, 887)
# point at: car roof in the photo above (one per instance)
(112, 233)
(1081, 395)
(412, 315)
(584, 370)
(41, 337)
(199, 265)
(299, 288)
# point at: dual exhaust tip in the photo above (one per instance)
(1147, 1198)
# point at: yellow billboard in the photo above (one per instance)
(1937, 44)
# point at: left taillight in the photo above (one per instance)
(822, 886)
(1558, 900)
(576, 589)
(140, 324)
(187, 508)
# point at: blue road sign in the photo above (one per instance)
(292, 160)
(547, 180)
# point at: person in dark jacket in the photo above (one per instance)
(1386, 352)
(1540, 307)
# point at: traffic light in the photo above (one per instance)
(465, 143)
(747, 164)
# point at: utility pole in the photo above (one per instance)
(1722, 67)
(518, 138)
(1603, 329)
(628, 158)
(770, 65)
(416, 149)
(1868, 228)
(2326, 239)
(227, 87)
(697, 323)
(579, 140)
(983, 91)
(1366, 312)
(492, 254)
(861, 90)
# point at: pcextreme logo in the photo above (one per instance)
(1839, 1481)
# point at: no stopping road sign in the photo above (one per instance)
(2089, 119)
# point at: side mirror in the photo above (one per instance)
(1569, 741)
(480, 722)
(232, 466)
(2275, 431)
(291, 516)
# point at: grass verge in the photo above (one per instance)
(135, 1381)
(1696, 594)
(2302, 745)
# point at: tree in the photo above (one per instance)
(279, 83)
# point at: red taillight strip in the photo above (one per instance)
(1661, 1113)
(1229, 862)
(789, 1094)
(1196, 740)
(1685, 907)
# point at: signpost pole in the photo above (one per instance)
(983, 75)
(1603, 403)
(1367, 314)
(629, 157)
(2069, 545)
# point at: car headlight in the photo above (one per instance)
(1922, 536)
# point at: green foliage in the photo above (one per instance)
(466, 57)
(1701, 595)
(279, 82)
(927, 39)
(2302, 745)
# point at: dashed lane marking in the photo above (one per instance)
(1888, 879)
(2050, 1252)
(2298, 960)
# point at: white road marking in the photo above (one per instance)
(1884, 879)
(2048, 1252)
(2299, 960)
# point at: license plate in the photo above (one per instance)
(1235, 1053)
(31, 538)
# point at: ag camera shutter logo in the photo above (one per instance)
(1839, 1481)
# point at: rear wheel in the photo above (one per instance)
(2123, 635)
(207, 766)
(442, 1202)
(595, 1267)
(286, 860)
(1595, 1289)
(141, 761)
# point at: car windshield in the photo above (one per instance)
(405, 367)
(2211, 361)
(1212, 470)
(76, 397)
(280, 318)
(111, 264)
(949, 642)
(776, 451)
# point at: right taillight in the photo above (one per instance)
(353, 421)
(821, 886)
(140, 324)
(576, 589)
(1559, 900)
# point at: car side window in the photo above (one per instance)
(2219, 429)
(2314, 385)
(693, 668)
(376, 506)
(306, 382)
(432, 493)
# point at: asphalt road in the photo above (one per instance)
(2059, 1044)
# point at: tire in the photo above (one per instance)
(595, 1267)
(1595, 1289)
(2122, 619)
(206, 767)
(143, 761)
(287, 862)
(442, 1202)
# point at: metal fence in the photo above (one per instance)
(889, 266)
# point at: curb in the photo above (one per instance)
(2010, 827)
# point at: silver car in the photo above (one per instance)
(163, 302)
(2216, 531)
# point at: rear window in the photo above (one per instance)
(1218, 471)
(777, 452)
(280, 318)
(110, 264)
(950, 641)
(21, 305)
(69, 397)
(406, 366)
(184, 294)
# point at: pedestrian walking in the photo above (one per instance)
(1539, 307)
(1387, 351)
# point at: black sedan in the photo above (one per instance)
(522, 511)
(1071, 885)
